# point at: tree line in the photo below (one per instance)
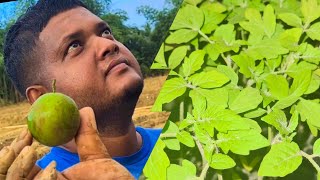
(143, 42)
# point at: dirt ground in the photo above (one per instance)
(12, 117)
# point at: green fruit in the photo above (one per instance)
(53, 119)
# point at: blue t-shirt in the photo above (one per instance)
(134, 163)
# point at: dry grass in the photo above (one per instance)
(12, 117)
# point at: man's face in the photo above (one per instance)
(87, 62)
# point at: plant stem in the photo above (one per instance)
(54, 85)
(205, 37)
(204, 171)
(201, 150)
(310, 158)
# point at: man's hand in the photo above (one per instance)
(95, 161)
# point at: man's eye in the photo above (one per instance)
(106, 33)
(73, 46)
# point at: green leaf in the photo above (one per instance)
(249, 98)
(286, 102)
(171, 89)
(316, 147)
(193, 2)
(158, 162)
(226, 33)
(181, 36)
(221, 161)
(215, 97)
(310, 110)
(290, 38)
(186, 171)
(267, 48)
(301, 83)
(255, 113)
(193, 63)
(199, 103)
(212, 19)
(177, 56)
(202, 135)
(171, 142)
(185, 138)
(311, 54)
(291, 19)
(245, 63)
(184, 20)
(310, 10)
(229, 72)
(241, 142)
(269, 20)
(313, 31)
(255, 24)
(209, 79)
(281, 160)
(159, 61)
(278, 86)
(293, 121)
(277, 119)
(187, 121)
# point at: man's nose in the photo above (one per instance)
(106, 47)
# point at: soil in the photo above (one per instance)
(12, 117)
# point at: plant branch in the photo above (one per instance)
(205, 37)
(204, 171)
(168, 135)
(312, 161)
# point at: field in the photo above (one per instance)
(12, 117)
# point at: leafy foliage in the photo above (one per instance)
(242, 90)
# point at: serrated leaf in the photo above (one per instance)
(184, 20)
(185, 138)
(291, 19)
(181, 36)
(313, 31)
(310, 10)
(294, 120)
(316, 147)
(158, 162)
(255, 113)
(186, 171)
(286, 102)
(241, 142)
(249, 98)
(177, 56)
(281, 160)
(171, 89)
(277, 119)
(310, 110)
(278, 86)
(269, 20)
(193, 63)
(267, 48)
(221, 161)
(209, 79)
(226, 33)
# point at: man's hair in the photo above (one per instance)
(22, 55)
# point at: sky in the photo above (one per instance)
(129, 6)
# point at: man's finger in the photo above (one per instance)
(24, 139)
(89, 144)
(23, 164)
(7, 156)
(49, 173)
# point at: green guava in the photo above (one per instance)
(53, 119)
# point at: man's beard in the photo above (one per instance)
(111, 120)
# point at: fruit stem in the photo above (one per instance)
(54, 85)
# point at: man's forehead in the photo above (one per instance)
(67, 21)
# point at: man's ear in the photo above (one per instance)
(34, 92)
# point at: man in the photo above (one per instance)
(63, 40)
